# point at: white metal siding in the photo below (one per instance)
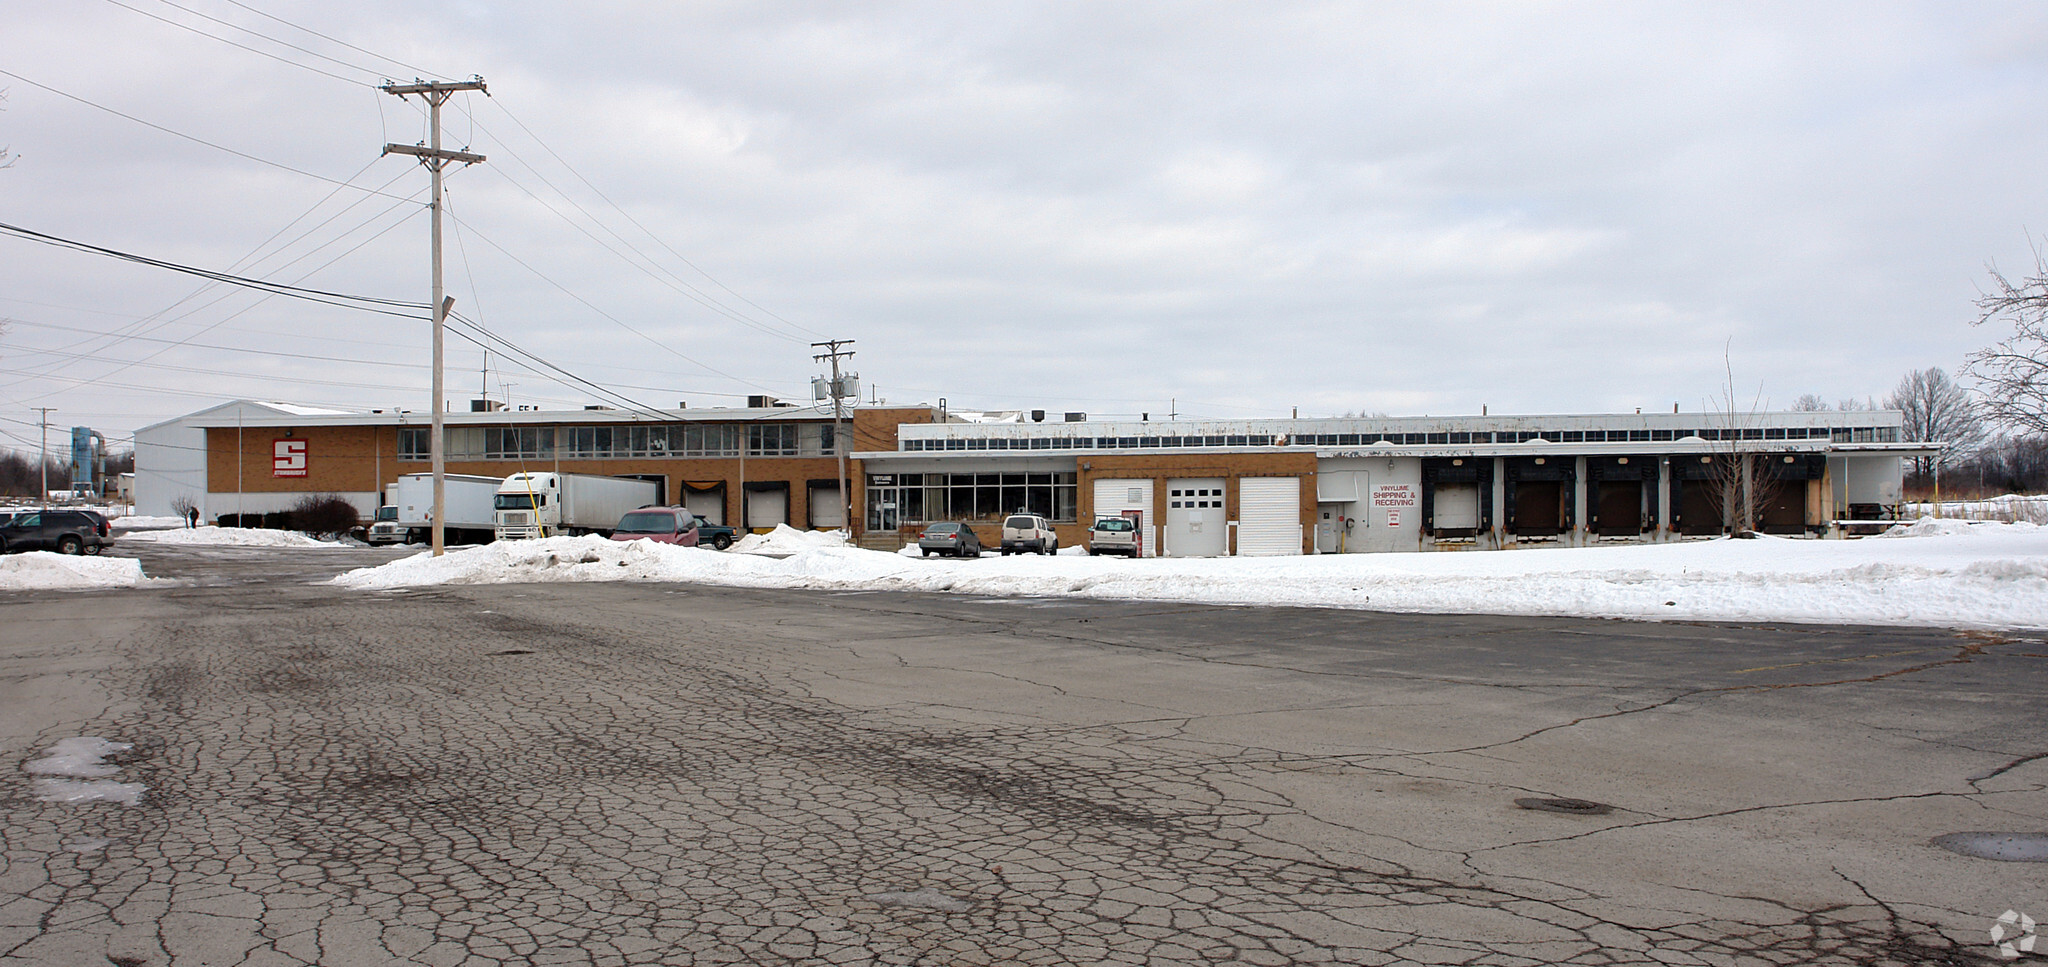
(1113, 497)
(1268, 516)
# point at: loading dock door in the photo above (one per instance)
(1195, 522)
(826, 510)
(1114, 497)
(1456, 507)
(708, 503)
(1269, 516)
(1539, 508)
(1699, 508)
(1621, 508)
(767, 508)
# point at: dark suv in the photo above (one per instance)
(63, 531)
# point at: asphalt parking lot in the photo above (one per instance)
(662, 774)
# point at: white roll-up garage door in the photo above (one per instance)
(1268, 516)
(826, 509)
(1113, 497)
(708, 504)
(1456, 506)
(767, 508)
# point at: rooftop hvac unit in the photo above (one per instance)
(485, 406)
(1077, 418)
(1038, 416)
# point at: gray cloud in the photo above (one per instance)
(1242, 207)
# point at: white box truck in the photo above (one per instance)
(551, 504)
(470, 518)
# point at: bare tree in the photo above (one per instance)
(2013, 372)
(1937, 410)
(1739, 472)
(1809, 403)
(186, 510)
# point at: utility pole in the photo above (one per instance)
(838, 389)
(437, 93)
(43, 498)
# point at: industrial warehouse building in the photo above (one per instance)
(1197, 487)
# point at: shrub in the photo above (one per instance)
(326, 514)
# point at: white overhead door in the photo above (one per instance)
(767, 508)
(1195, 522)
(1456, 506)
(1114, 497)
(1268, 516)
(708, 504)
(826, 510)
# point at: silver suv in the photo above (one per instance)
(1029, 532)
(1113, 535)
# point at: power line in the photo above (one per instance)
(416, 70)
(262, 53)
(651, 267)
(593, 307)
(142, 325)
(180, 134)
(342, 299)
(629, 217)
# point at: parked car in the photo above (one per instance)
(1029, 532)
(718, 536)
(663, 525)
(955, 539)
(1114, 535)
(63, 531)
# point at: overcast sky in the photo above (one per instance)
(1237, 210)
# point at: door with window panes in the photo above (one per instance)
(1195, 522)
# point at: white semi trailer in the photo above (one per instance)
(471, 517)
(550, 504)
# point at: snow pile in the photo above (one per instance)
(44, 571)
(229, 536)
(1997, 579)
(785, 539)
(136, 523)
(1949, 527)
(76, 770)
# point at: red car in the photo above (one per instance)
(664, 525)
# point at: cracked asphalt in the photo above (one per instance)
(665, 774)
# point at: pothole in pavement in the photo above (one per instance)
(1574, 807)
(2007, 847)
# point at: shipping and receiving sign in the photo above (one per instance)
(1393, 495)
(1391, 498)
(288, 458)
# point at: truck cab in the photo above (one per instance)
(386, 529)
(528, 505)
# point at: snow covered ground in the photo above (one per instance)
(1940, 573)
(231, 536)
(43, 571)
(2032, 508)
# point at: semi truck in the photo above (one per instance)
(409, 517)
(548, 504)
